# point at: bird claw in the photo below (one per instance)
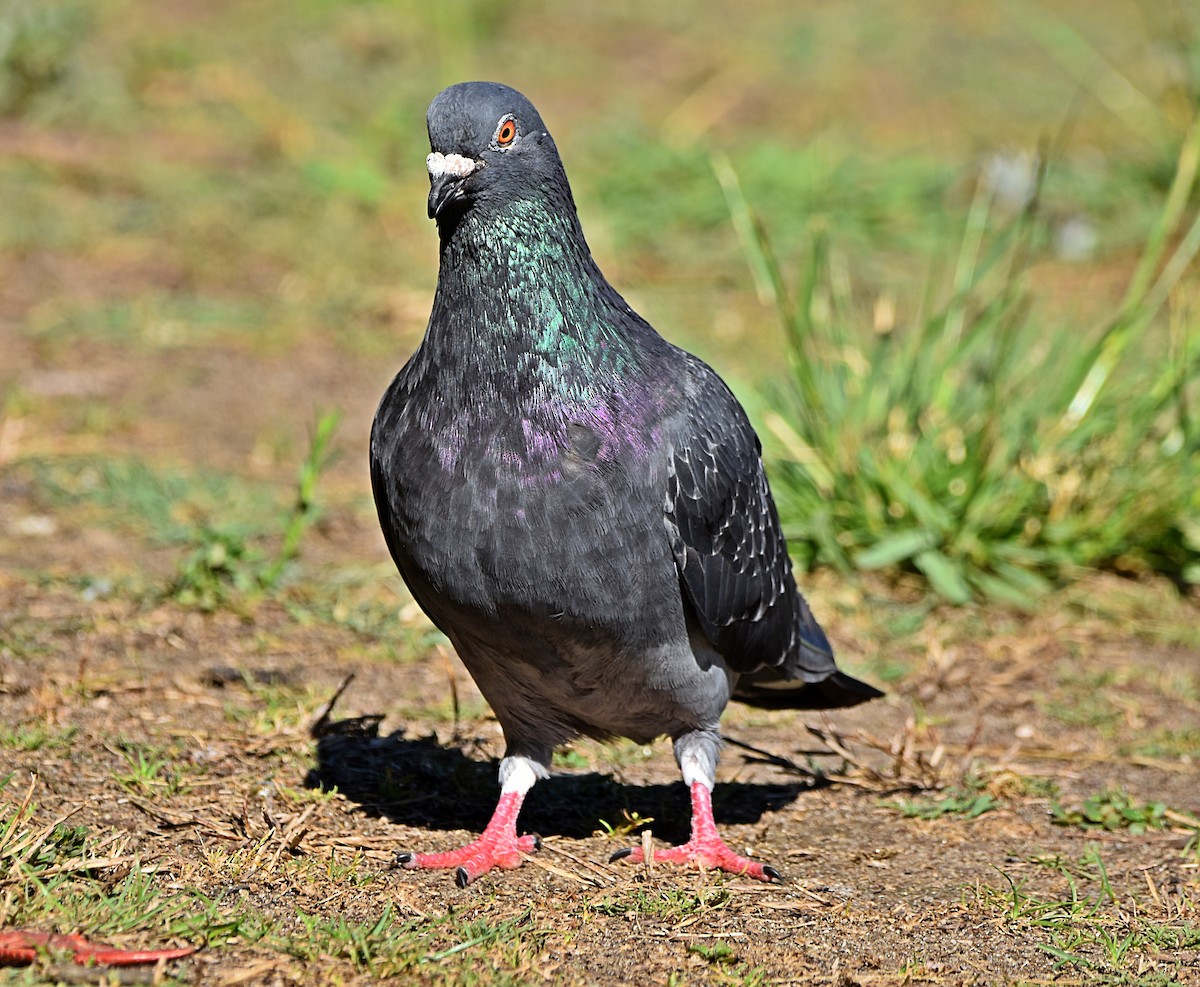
(498, 846)
(475, 859)
(705, 848)
(711, 854)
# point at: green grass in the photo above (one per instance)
(235, 542)
(966, 804)
(669, 903)
(39, 45)
(445, 949)
(59, 877)
(1116, 809)
(941, 443)
(223, 565)
(35, 736)
(726, 966)
(1091, 930)
(55, 876)
(629, 824)
(150, 771)
(166, 505)
(275, 708)
(1083, 709)
(1182, 742)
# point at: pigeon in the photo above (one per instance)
(579, 505)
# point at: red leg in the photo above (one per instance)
(705, 848)
(498, 846)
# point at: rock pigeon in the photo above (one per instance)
(578, 504)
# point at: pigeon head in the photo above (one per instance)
(488, 147)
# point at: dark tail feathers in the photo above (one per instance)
(836, 691)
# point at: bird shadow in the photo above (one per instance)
(415, 781)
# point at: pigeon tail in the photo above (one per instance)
(767, 691)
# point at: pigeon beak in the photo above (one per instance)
(447, 173)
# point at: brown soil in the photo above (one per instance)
(870, 896)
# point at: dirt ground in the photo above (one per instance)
(1100, 691)
(870, 896)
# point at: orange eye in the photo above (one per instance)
(506, 133)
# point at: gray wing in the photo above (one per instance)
(728, 544)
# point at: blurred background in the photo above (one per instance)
(943, 252)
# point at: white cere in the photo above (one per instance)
(449, 164)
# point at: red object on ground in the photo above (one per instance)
(20, 948)
(705, 848)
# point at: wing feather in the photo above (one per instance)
(728, 543)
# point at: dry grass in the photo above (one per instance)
(166, 801)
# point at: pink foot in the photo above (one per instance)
(498, 846)
(705, 848)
